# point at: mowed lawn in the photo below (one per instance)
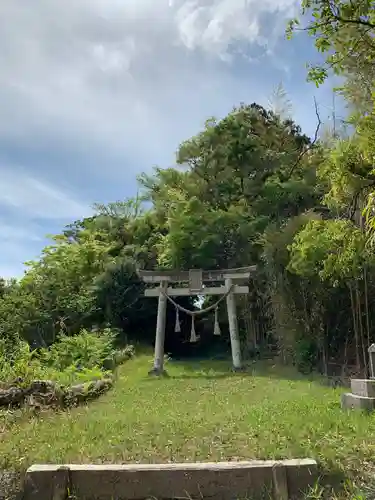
(202, 412)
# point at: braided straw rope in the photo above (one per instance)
(201, 311)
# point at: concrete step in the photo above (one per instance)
(363, 387)
(352, 401)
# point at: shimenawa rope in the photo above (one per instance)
(193, 314)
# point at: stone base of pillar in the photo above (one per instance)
(157, 372)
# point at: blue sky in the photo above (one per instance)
(93, 92)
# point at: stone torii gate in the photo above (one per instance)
(195, 278)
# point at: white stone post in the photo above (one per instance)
(233, 328)
(158, 368)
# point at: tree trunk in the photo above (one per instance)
(355, 326)
(360, 325)
(367, 312)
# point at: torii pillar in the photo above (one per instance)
(158, 368)
(233, 328)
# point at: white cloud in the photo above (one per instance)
(213, 26)
(93, 70)
(32, 198)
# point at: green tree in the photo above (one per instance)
(343, 31)
(56, 292)
(237, 176)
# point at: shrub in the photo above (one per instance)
(73, 375)
(20, 364)
(73, 370)
(86, 350)
(82, 358)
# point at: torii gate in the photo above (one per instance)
(195, 279)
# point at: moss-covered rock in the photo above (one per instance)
(44, 393)
(118, 358)
(81, 393)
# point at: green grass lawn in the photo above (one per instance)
(202, 412)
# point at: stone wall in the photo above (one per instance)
(45, 393)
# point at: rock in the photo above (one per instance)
(13, 396)
(118, 358)
(41, 387)
(45, 393)
(84, 392)
(77, 389)
(100, 386)
(38, 401)
(122, 356)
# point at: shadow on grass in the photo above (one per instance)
(219, 369)
(338, 485)
(200, 376)
(201, 373)
(270, 368)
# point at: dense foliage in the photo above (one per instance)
(250, 188)
(85, 357)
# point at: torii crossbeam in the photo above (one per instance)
(195, 278)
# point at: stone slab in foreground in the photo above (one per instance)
(223, 481)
